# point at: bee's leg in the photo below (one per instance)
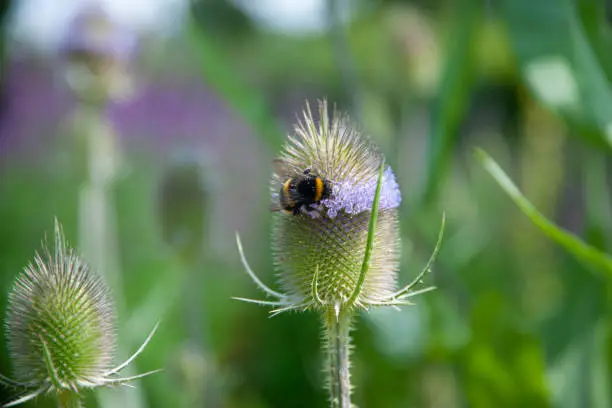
(313, 210)
(304, 208)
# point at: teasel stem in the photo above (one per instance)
(97, 218)
(69, 399)
(337, 331)
(97, 221)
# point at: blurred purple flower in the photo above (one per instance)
(176, 111)
(32, 107)
(92, 32)
(169, 115)
(182, 115)
(97, 52)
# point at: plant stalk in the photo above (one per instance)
(98, 223)
(337, 332)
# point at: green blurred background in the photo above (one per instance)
(515, 321)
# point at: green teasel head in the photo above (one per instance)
(336, 241)
(330, 239)
(60, 327)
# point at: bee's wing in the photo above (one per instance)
(275, 206)
(281, 168)
(283, 172)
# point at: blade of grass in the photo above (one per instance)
(224, 79)
(593, 17)
(559, 65)
(583, 252)
(452, 99)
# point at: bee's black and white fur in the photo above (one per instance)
(299, 193)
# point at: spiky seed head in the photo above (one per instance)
(331, 240)
(60, 309)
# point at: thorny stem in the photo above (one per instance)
(68, 399)
(337, 334)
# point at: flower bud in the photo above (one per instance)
(184, 206)
(59, 304)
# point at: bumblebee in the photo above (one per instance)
(300, 192)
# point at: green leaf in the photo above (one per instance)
(600, 362)
(558, 64)
(583, 252)
(370, 239)
(593, 15)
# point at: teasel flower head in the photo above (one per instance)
(97, 54)
(60, 327)
(336, 240)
